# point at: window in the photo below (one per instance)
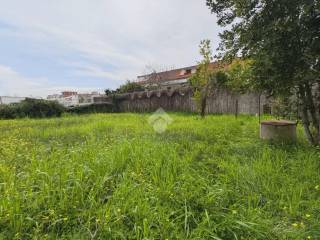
(188, 71)
(183, 72)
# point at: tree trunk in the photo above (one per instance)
(309, 110)
(237, 108)
(306, 124)
(259, 103)
(204, 97)
(311, 106)
(203, 106)
(318, 109)
(312, 102)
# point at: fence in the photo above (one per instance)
(221, 102)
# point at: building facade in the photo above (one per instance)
(74, 99)
(171, 79)
(9, 100)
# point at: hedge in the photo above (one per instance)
(93, 108)
(32, 108)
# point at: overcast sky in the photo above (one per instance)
(48, 46)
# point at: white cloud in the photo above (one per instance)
(94, 71)
(14, 84)
(127, 34)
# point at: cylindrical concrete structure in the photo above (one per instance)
(278, 130)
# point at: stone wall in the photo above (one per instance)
(221, 102)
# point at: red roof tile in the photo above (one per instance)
(172, 75)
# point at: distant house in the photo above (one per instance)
(172, 78)
(9, 100)
(73, 99)
(68, 94)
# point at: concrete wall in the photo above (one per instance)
(221, 102)
(75, 100)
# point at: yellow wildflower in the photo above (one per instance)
(308, 215)
(295, 225)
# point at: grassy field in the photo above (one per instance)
(110, 176)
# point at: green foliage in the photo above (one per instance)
(32, 108)
(281, 36)
(240, 76)
(222, 78)
(285, 108)
(128, 87)
(110, 176)
(108, 92)
(93, 108)
(204, 79)
(282, 39)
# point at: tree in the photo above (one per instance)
(109, 92)
(282, 37)
(128, 87)
(239, 76)
(155, 75)
(203, 80)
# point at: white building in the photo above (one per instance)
(73, 99)
(9, 100)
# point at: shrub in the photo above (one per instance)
(32, 108)
(93, 108)
(8, 111)
(285, 108)
(127, 87)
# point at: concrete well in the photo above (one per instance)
(278, 130)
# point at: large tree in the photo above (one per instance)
(282, 37)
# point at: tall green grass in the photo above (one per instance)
(110, 176)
